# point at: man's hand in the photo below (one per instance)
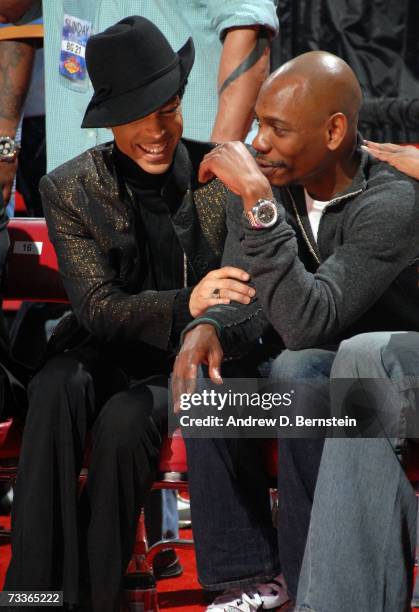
(233, 164)
(7, 175)
(201, 345)
(405, 159)
(220, 287)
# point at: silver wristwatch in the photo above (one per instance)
(263, 214)
(8, 149)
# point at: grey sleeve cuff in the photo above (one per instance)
(200, 321)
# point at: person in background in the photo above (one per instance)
(232, 60)
(20, 33)
(17, 51)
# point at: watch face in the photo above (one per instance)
(266, 214)
(7, 148)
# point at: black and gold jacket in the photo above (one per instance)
(91, 222)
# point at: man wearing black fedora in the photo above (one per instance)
(139, 244)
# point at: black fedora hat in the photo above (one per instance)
(134, 71)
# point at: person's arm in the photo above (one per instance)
(94, 287)
(244, 65)
(227, 330)
(245, 28)
(97, 294)
(309, 309)
(405, 159)
(239, 326)
(16, 61)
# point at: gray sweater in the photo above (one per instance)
(360, 276)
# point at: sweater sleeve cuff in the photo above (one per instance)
(200, 321)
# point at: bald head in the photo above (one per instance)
(323, 82)
(308, 113)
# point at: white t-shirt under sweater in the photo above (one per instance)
(314, 210)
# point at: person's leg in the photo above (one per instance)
(64, 399)
(126, 439)
(57, 543)
(234, 537)
(299, 459)
(360, 547)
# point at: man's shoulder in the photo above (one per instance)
(390, 200)
(386, 187)
(381, 175)
(92, 170)
(89, 162)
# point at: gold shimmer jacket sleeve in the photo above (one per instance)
(101, 303)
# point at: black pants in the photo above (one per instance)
(83, 546)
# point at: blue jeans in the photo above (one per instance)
(235, 540)
(360, 547)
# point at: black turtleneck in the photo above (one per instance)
(157, 198)
(163, 262)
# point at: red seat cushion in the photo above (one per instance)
(32, 269)
(173, 454)
(10, 438)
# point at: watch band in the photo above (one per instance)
(256, 219)
(252, 221)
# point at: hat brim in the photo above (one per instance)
(140, 102)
